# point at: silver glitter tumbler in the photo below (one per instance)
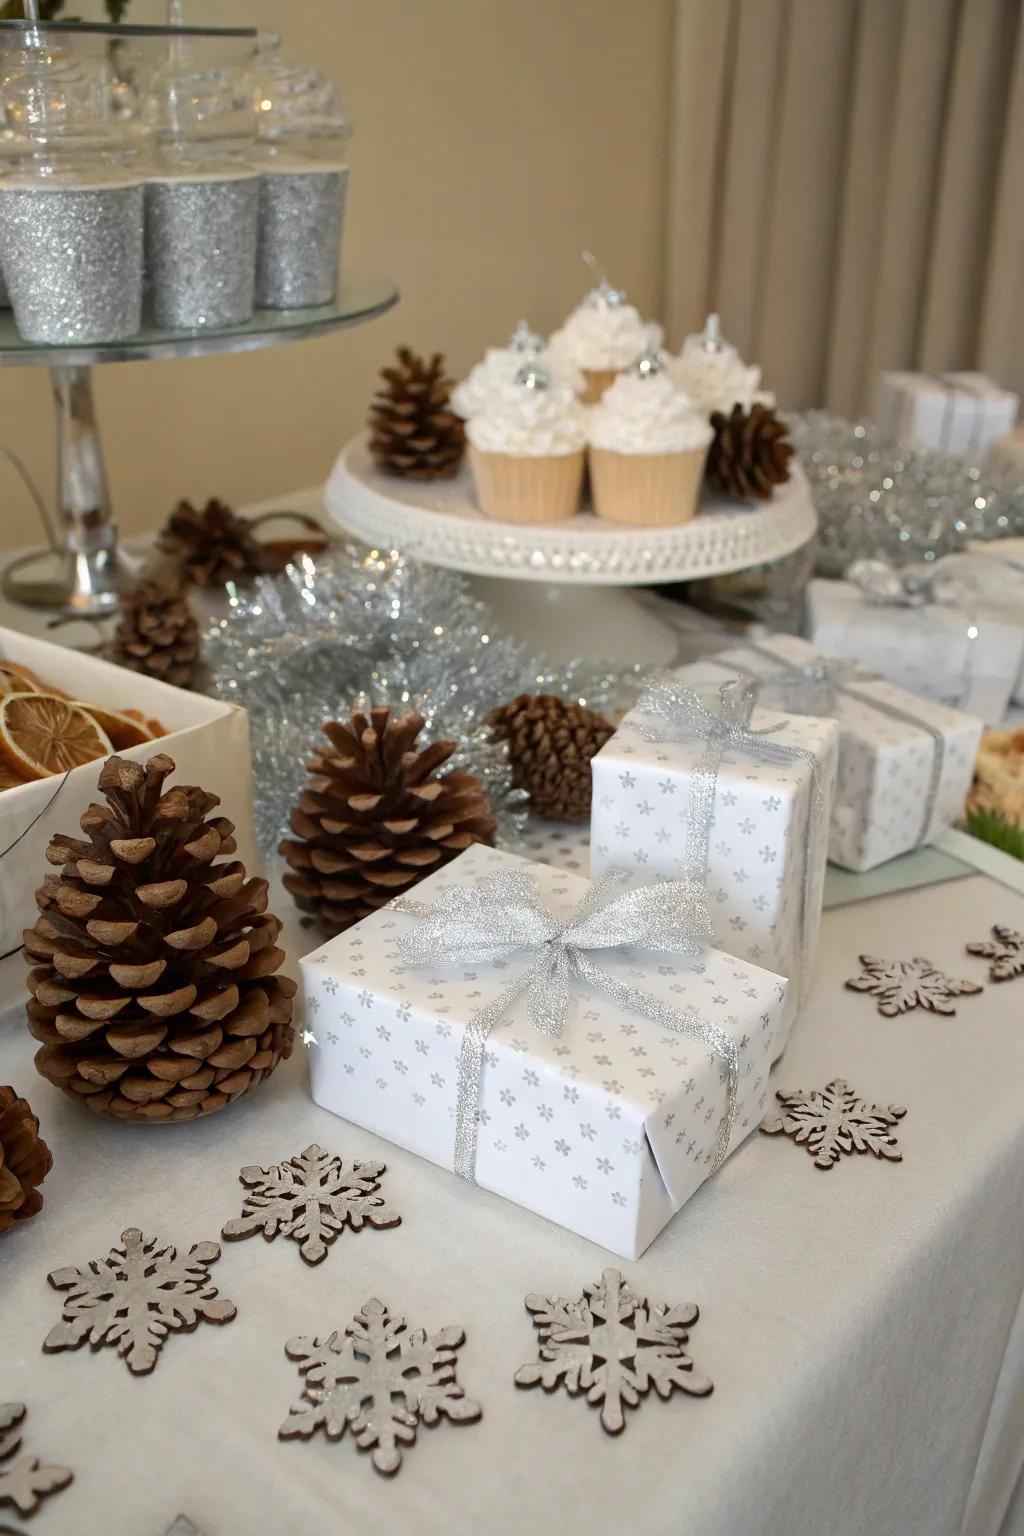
(301, 217)
(201, 234)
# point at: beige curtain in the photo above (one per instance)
(846, 187)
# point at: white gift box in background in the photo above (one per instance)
(762, 830)
(208, 740)
(607, 1129)
(968, 658)
(957, 413)
(887, 764)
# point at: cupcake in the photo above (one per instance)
(602, 336)
(500, 366)
(711, 371)
(526, 449)
(646, 449)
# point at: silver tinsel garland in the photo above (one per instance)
(356, 628)
(885, 500)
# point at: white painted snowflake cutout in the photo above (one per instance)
(901, 985)
(379, 1379)
(833, 1122)
(613, 1345)
(311, 1198)
(1005, 949)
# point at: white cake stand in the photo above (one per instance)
(580, 568)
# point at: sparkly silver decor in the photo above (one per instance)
(72, 257)
(881, 499)
(362, 627)
(301, 216)
(201, 250)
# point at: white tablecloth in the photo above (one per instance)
(863, 1327)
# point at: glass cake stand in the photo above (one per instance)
(581, 570)
(84, 569)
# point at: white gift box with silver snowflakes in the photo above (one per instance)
(761, 830)
(607, 1129)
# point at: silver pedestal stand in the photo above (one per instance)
(84, 569)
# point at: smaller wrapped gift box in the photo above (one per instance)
(208, 740)
(606, 1129)
(905, 764)
(967, 657)
(768, 838)
(956, 413)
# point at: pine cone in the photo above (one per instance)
(154, 992)
(750, 453)
(376, 818)
(550, 744)
(212, 546)
(25, 1160)
(157, 634)
(413, 430)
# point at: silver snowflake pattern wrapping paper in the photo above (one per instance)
(607, 1129)
(905, 763)
(762, 830)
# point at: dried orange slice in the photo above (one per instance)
(15, 678)
(9, 779)
(154, 727)
(41, 734)
(123, 729)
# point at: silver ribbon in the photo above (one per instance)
(723, 725)
(812, 688)
(503, 918)
(956, 581)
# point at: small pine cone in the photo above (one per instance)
(154, 992)
(25, 1160)
(413, 430)
(550, 744)
(211, 545)
(376, 817)
(750, 453)
(157, 634)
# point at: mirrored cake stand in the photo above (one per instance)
(84, 569)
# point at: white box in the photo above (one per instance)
(761, 830)
(886, 763)
(958, 413)
(208, 740)
(606, 1130)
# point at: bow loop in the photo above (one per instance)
(954, 581)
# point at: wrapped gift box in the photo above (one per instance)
(968, 658)
(208, 740)
(957, 413)
(607, 1129)
(764, 827)
(892, 748)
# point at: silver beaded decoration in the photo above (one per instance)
(301, 216)
(72, 257)
(201, 250)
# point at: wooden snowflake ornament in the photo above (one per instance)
(1005, 949)
(379, 1379)
(24, 1482)
(135, 1297)
(901, 985)
(311, 1198)
(834, 1122)
(614, 1346)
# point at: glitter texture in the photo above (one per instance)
(201, 250)
(72, 257)
(301, 214)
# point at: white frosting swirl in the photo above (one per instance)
(529, 422)
(647, 414)
(499, 367)
(716, 381)
(600, 336)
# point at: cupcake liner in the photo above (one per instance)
(525, 488)
(595, 382)
(651, 489)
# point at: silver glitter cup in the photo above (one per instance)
(201, 250)
(72, 258)
(301, 217)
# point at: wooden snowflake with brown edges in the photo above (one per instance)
(1005, 950)
(24, 1482)
(901, 985)
(833, 1122)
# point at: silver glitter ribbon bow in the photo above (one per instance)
(723, 724)
(814, 687)
(503, 918)
(958, 581)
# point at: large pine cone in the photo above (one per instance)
(550, 744)
(211, 545)
(157, 634)
(750, 453)
(413, 430)
(154, 993)
(376, 818)
(25, 1160)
